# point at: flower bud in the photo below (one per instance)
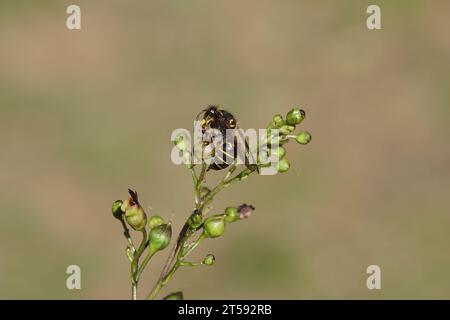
(303, 137)
(134, 214)
(214, 226)
(160, 237)
(209, 260)
(155, 221)
(277, 121)
(295, 116)
(135, 217)
(286, 129)
(245, 210)
(283, 165)
(116, 209)
(195, 220)
(231, 214)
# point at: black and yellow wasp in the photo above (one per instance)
(214, 117)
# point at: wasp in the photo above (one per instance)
(225, 153)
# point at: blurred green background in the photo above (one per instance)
(87, 114)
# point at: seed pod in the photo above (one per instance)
(295, 117)
(134, 214)
(136, 217)
(283, 165)
(160, 237)
(209, 260)
(303, 137)
(155, 221)
(214, 227)
(231, 214)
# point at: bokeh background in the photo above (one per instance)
(87, 114)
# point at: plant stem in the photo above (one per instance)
(186, 231)
(144, 264)
(135, 264)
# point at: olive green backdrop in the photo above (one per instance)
(86, 114)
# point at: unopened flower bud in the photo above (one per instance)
(209, 260)
(214, 226)
(277, 121)
(295, 116)
(245, 210)
(283, 165)
(160, 237)
(303, 137)
(231, 214)
(155, 221)
(116, 209)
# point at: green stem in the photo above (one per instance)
(192, 248)
(135, 263)
(186, 232)
(144, 263)
(126, 233)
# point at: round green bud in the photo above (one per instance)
(277, 121)
(160, 237)
(209, 260)
(286, 129)
(214, 226)
(180, 143)
(283, 165)
(136, 217)
(116, 209)
(155, 221)
(231, 214)
(295, 116)
(303, 137)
